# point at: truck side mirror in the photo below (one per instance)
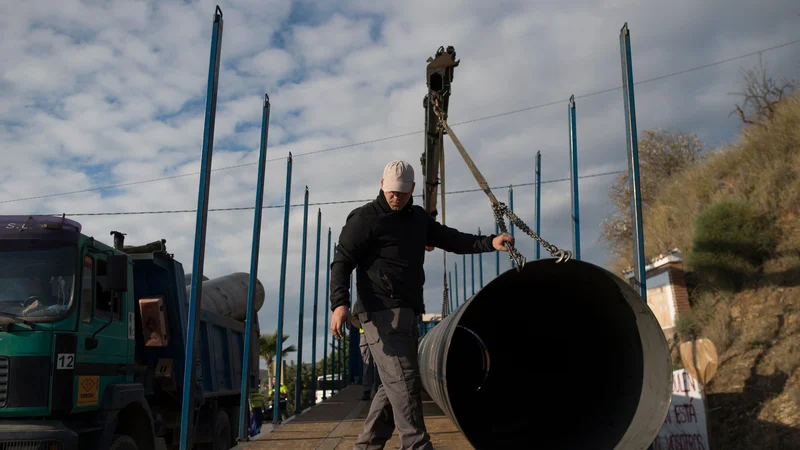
(118, 273)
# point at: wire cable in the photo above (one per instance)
(397, 136)
(296, 205)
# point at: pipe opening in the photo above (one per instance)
(567, 361)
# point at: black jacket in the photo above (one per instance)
(387, 250)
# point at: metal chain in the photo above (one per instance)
(513, 253)
(445, 299)
(500, 209)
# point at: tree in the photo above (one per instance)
(307, 398)
(761, 95)
(268, 343)
(662, 155)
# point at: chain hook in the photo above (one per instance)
(517, 257)
(562, 256)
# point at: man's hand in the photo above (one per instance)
(499, 241)
(341, 315)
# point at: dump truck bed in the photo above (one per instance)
(220, 339)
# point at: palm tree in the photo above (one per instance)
(268, 343)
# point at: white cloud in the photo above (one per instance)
(93, 96)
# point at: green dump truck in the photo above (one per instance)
(92, 344)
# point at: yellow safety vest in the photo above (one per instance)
(283, 390)
(256, 399)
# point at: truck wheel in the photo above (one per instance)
(122, 442)
(222, 431)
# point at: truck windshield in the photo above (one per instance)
(36, 284)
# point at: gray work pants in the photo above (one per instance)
(370, 380)
(391, 336)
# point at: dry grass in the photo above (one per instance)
(754, 400)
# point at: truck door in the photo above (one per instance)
(103, 360)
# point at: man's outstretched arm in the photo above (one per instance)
(350, 249)
(452, 240)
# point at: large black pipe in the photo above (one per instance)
(576, 360)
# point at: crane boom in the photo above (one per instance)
(439, 75)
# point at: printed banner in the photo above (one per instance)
(685, 425)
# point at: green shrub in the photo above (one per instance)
(731, 241)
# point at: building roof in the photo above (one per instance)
(673, 255)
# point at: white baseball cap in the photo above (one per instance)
(398, 176)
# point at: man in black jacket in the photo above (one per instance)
(384, 242)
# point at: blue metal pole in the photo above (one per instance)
(189, 368)
(464, 273)
(348, 371)
(456, 270)
(355, 364)
(472, 271)
(497, 252)
(334, 373)
(254, 252)
(573, 165)
(511, 207)
(450, 291)
(343, 343)
(282, 293)
(316, 298)
(342, 356)
(480, 261)
(633, 159)
(633, 162)
(341, 361)
(337, 378)
(298, 379)
(325, 383)
(334, 385)
(538, 201)
(346, 357)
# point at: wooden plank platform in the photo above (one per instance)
(337, 422)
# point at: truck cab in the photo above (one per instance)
(67, 339)
(75, 368)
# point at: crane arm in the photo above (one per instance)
(439, 75)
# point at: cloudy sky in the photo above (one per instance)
(102, 110)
